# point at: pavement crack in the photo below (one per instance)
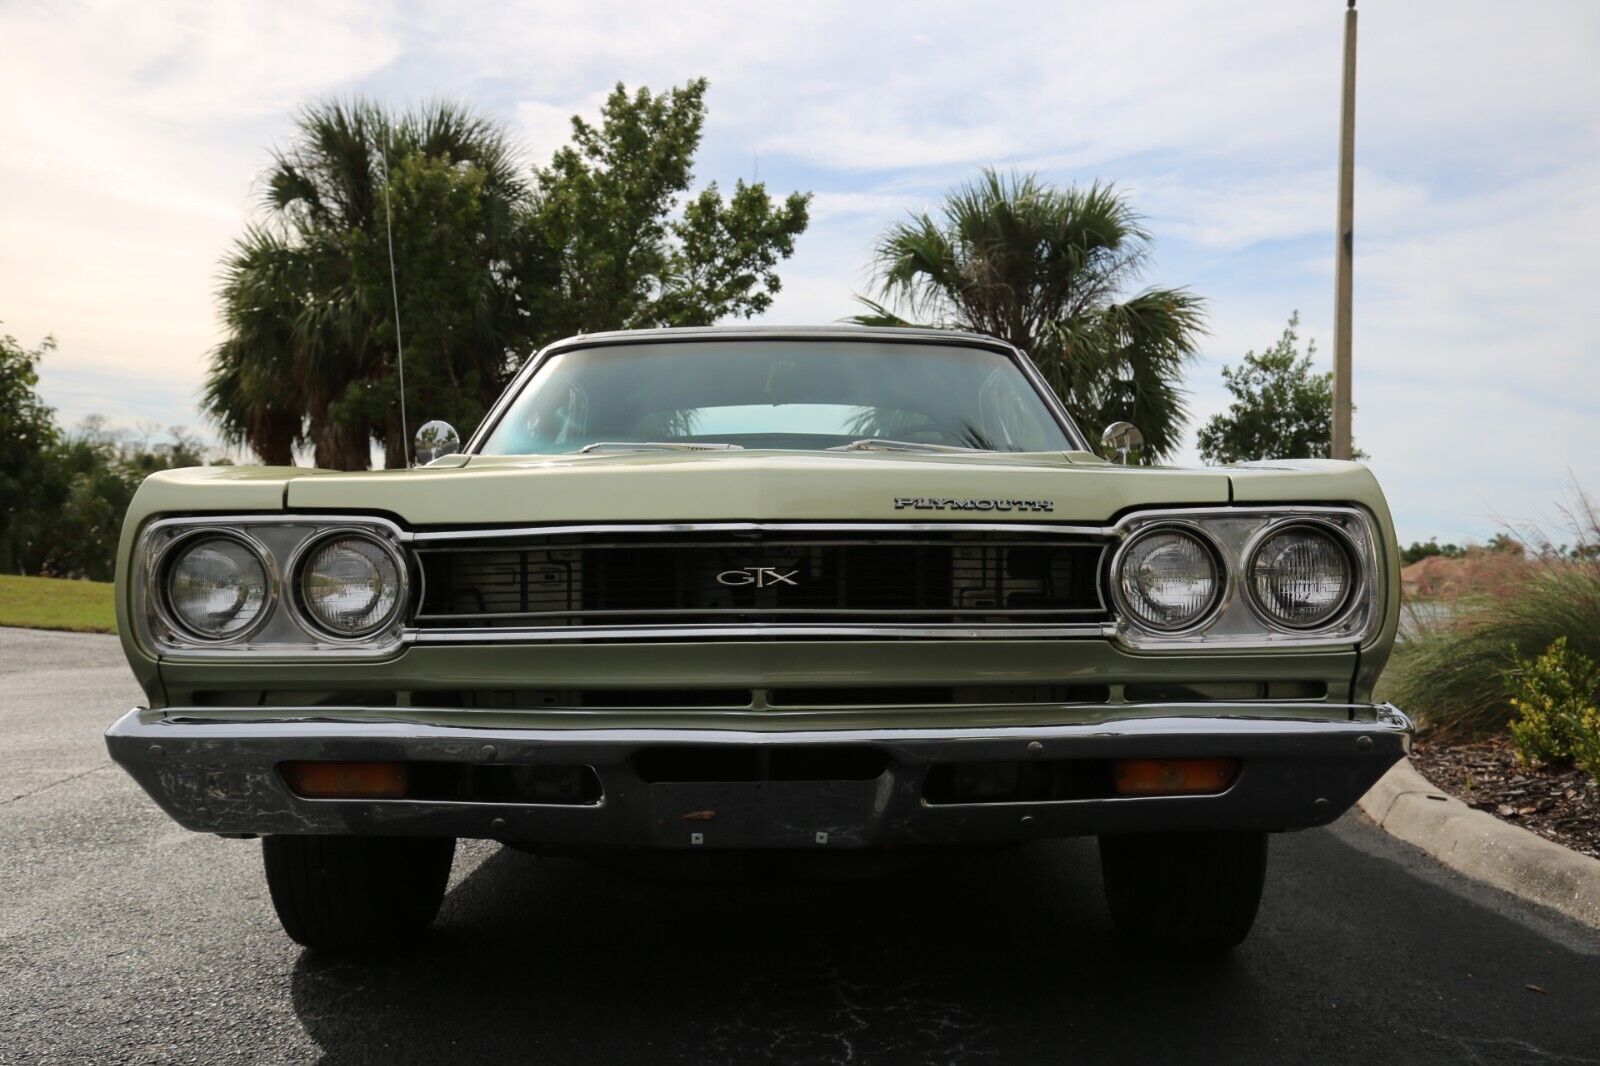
(62, 781)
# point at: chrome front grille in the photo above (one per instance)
(759, 575)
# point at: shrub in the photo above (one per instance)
(1450, 673)
(1557, 720)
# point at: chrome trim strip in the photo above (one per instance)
(666, 614)
(1052, 402)
(431, 536)
(1143, 720)
(292, 518)
(757, 631)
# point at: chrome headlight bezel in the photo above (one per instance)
(1237, 621)
(281, 630)
(161, 593)
(1205, 540)
(296, 568)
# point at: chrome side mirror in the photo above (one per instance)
(435, 439)
(1120, 441)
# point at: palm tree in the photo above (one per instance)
(1044, 268)
(310, 350)
(252, 390)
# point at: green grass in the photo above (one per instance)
(57, 603)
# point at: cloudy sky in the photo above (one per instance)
(133, 135)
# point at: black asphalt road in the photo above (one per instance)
(125, 939)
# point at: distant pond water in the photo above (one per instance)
(1417, 615)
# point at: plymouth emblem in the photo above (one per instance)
(759, 576)
(935, 503)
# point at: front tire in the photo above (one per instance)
(356, 893)
(1189, 892)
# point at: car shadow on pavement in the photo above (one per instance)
(554, 960)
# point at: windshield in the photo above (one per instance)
(795, 395)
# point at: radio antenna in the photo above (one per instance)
(394, 289)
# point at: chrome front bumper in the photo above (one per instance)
(1302, 765)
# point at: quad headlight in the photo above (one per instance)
(265, 585)
(1300, 576)
(1268, 576)
(1169, 578)
(350, 584)
(216, 587)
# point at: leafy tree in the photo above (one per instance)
(1419, 551)
(253, 391)
(463, 319)
(1282, 408)
(63, 495)
(1507, 544)
(488, 265)
(307, 295)
(97, 470)
(82, 484)
(27, 434)
(1046, 269)
(603, 209)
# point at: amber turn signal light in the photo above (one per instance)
(347, 780)
(1172, 777)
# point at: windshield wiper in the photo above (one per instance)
(656, 446)
(881, 444)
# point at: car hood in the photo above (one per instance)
(735, 486)
(752, 486)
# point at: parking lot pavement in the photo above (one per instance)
(126, 939)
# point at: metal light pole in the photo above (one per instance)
(1346, 250)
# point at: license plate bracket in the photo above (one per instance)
(763, 814)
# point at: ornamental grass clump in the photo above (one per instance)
(1450, 670)
(1557, 720)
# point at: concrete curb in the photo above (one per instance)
(1478, 844)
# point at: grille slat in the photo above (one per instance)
(766, 576)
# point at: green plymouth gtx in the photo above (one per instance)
(769, 590)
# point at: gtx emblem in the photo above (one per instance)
(759, 576)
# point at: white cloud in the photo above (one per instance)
(132, 141)
(135, 133)
(543, 127)
(1230, 213)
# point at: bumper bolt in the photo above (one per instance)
(155, 751)
(1035, 747)
(498, 825)
(487, 753)
(1364, 743)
